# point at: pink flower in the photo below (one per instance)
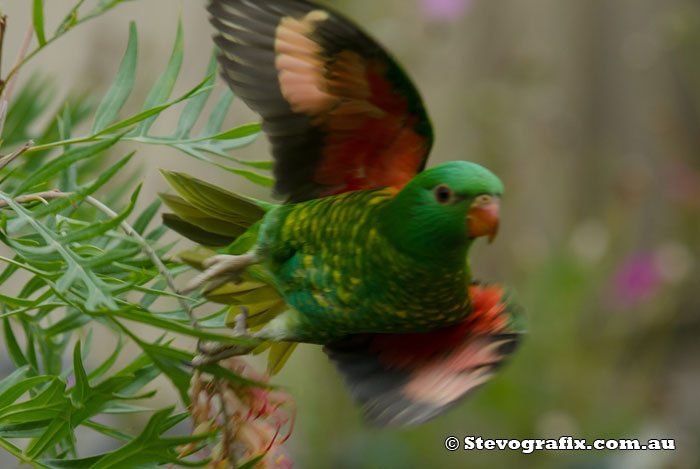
(254, 420)
(444, 10)
(636, 279)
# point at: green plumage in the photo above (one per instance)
(378, 261)
(333, 261)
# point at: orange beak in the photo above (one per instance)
(482, 219)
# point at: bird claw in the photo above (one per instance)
(220, 265)
(216, 354)
(212, 355)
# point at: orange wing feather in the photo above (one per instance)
(340, 113)
(407, 379)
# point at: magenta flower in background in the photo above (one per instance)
(443, 10)
(636, 279)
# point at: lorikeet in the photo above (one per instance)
(368, 256)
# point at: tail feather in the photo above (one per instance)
(196, 233)
(214, 217)
(215, 201)
(408, 379)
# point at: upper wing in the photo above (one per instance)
(340, 113)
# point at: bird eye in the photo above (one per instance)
(443, 194)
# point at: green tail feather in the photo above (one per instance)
(214, 217)
(193, 232)
(208, 214)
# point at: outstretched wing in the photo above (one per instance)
(339, 111)
(408, 379)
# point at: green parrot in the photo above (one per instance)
(368, 254)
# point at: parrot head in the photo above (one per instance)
(443, 209)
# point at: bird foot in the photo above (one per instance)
(221, 266)
(214, 355)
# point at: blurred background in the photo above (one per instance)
(589, 111)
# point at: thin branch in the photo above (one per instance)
(128, 229)
(48, 195)
(12, 77)
(3, 26)
(5, 160)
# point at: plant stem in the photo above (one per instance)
(6, 87)
(3, 26)
(4, 161)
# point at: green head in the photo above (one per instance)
(443, 209)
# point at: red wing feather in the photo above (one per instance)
(340, 113)
(407, 379)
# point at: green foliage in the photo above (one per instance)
(77, 267)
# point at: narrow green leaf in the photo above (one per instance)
(150, 112)
(68, 323)
(238, 132)
(195, 105)
(69, 20)
(99, 228)
(82, 387)
(82, 463)
(88, 344)
(148, 448)
(146, 216)
(15, 302)
(108, 431)
(150, 298)
(251, 176)
(48, 404)
(53, 167)
(13, 348)
(31, 349)
(107, 364)
(68, 178)
(24, 430)
(102, 7)
(166, 82)
(252, 463)
(13, 378)
(121, 87)
(218, 114)
(58, 429)
(97, 290)
(59, 204)
(173, 326)
(224, 373)
(38, 16)
(12, 393)
(119, 408)
(109, 257)
(9, 270)
(169, 362)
